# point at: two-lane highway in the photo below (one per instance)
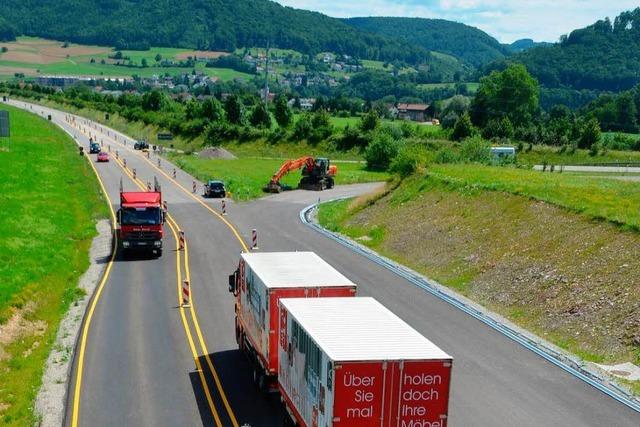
(139, 368)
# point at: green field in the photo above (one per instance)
(50, 203)
(245, 177)
(38, 61)
(599, 198)
(552, 156)
(472, 87)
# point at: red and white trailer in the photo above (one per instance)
(258, 284)
(350, 362)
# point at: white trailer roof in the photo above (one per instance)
(294, 270)
(360, 329)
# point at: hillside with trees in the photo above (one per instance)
(470, 44)
(199, 24)
(604, 56)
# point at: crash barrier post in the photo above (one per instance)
(254, 239)
(180, 240)
(186, 294)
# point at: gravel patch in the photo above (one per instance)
(52, 397)
(216, 153)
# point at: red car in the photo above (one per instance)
(103, 157)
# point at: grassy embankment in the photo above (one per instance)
(556, 254)
(50, 203)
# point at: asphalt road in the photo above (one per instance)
(139, 369)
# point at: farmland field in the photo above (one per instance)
(34, 57)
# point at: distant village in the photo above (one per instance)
(325, 70)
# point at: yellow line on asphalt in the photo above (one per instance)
(190, 194)
(172, 222)
(94, 302)
(188, 275)
(194, 316)
(185, 324)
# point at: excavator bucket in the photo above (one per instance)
(272, 187)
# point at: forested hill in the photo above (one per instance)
(524, 44)
(602, 56)
(202, 24)
(469, 44)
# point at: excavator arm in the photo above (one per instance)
(291, 165)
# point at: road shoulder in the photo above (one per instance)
(52, 397)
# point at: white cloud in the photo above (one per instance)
(507, 20)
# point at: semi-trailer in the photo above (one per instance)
(351, 362)
(258, 283)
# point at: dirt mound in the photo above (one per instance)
(216, 153)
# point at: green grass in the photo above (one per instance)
(551, 155)
(289, 150)
(245, 177)
(81, 65)
(472, 87)
(599, 198)
(110, 70)
(50, 203)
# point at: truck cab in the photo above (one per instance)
(141, 220)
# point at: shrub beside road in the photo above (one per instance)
(50, 203)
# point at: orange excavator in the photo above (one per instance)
(317, 174)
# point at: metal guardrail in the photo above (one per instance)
(573, 366)
(609, 164)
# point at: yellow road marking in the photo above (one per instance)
(194, 316)
(94, 302)
(172, 222)
(185, 324)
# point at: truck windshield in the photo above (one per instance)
(141, 216)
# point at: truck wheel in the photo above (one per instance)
(262, 382)
(158, 253)
(330, 183)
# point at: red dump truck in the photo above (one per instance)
(258, 284)
(351, 362)
(140, 220)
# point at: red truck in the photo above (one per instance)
(260, 280)
(351, 362)
(140, 220)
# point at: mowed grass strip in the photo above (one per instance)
(49, 204)
(245, 177)
(598, 198)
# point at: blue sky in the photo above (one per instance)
(506, 20)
